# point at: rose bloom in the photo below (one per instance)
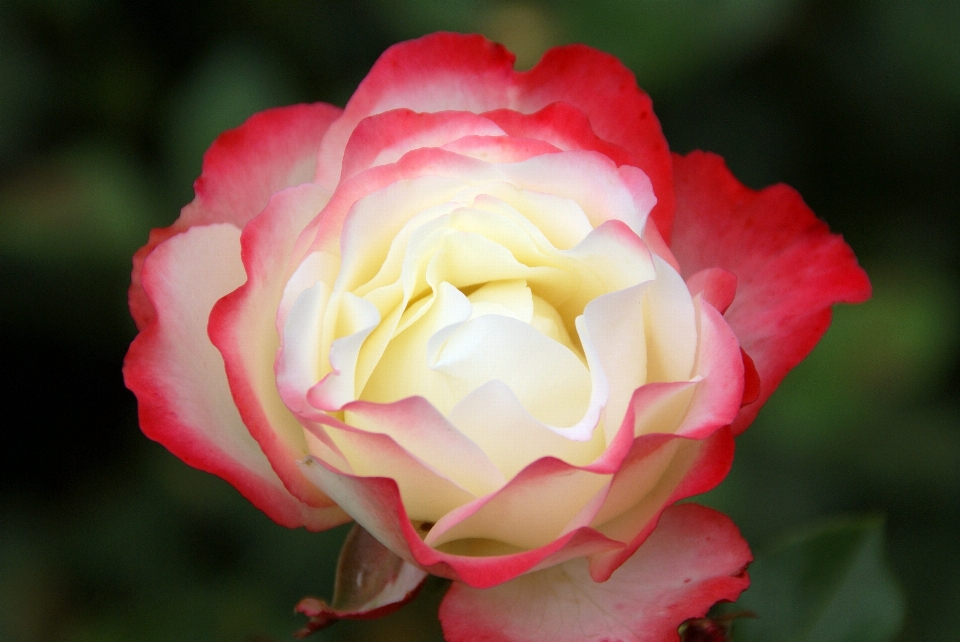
(488, 316)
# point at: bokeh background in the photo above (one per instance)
(106, 107)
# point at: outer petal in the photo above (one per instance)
(179, 379)
(790, 269)
(426, 434)
(606, 91)
(375, 503)
(447, 71)
(440, 72)
(695, 558)
(695, 467)
(689, 467)
(384, 138)
(626, 194)
(243, 327)
(560, 124)
(272, 150)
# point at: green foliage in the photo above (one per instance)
(828, 584)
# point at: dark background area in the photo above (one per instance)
(106, 107)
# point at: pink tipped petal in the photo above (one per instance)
(654, 241)
(532, 510)
(719, 394)
(424, 432)
(375, 504)
(694, 467)
(614, 323)
(383, 138)
(604, 191)
(717, 286)
(324, 233)
(694, 559)
(273, 149)
(243, 327)
(140, 307)
(606, 91)
(500, 149)
(560, 124)
(426, 493)
(790, 269)
(417, 75)
(671, 326)
(493, 418)
(179, 379)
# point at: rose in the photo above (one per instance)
(486, 315)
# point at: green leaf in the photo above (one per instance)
(827, 584)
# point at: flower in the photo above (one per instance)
(488, 316)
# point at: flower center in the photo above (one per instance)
(449, 344)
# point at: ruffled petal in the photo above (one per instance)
(243, 326)
(426, 434)
(532, 510)
(606, 91)
(690, 467)
(694, 559)
(720, 370)
(419, 74)
(375, 504)
(789, 268)
(426, 493)
(717, 286)
(560, 124)
(179, 378)
(383, 138)
(273, 149)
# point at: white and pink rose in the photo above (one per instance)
(488, 316)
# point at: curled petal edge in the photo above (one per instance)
(695, 558)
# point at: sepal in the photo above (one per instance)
(371, 582)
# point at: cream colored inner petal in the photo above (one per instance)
(525, 318)
(453, 348)
(666, 413)
(527, 513)
(403, 371)
(548, 378)
(299, 364)
(561, 222)
(377, 220)
(616, 326)
(356, 321)
(604, 191)
(426, 495)
(433, 440)
(466, 248)
(493, 418)
(671, 326)
(507, 298)
(516, 300)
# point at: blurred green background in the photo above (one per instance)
(106, 107)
